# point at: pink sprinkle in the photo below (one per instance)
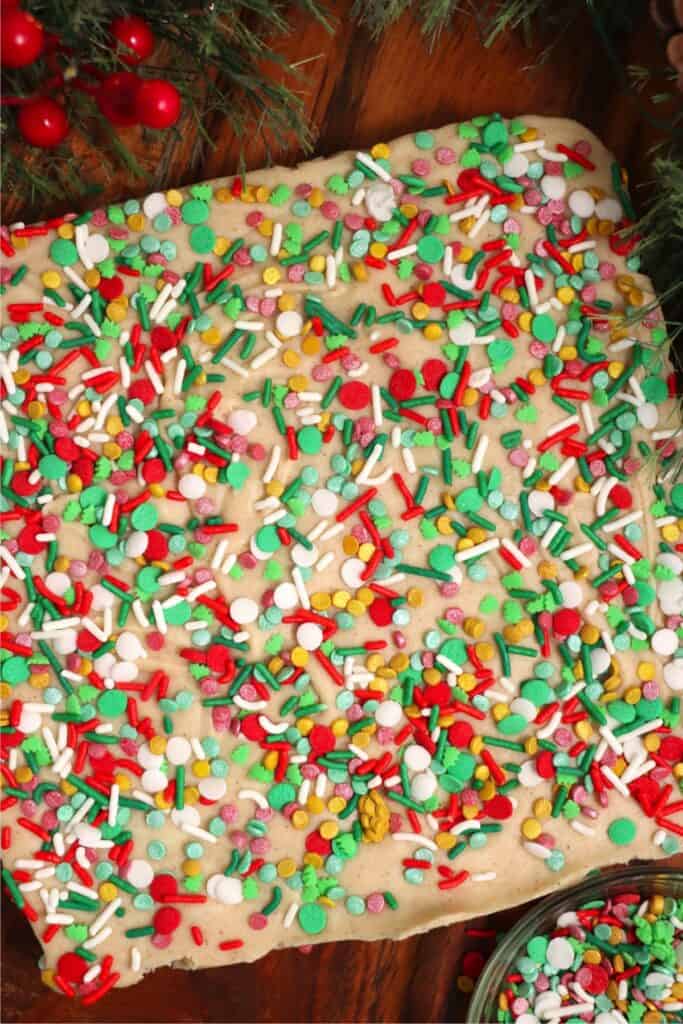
(538, 350)
(420, 167)
(258, 922)
(330, 210)
(527, 545)
(518, 457)
(353, 221)
(444, 155)
(161, 941)
(254, 218)
(49, 820)
(563, 737)
(375, 903)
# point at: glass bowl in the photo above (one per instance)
(648, 881)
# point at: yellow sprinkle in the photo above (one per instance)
(531, 829)
(299, 657)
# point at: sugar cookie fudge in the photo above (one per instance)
(341, 552)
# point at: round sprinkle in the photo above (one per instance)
(622, 831)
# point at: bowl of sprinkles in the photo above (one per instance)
(607, 951)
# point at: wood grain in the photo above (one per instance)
(357, 91)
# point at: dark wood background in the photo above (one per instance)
(358, 91)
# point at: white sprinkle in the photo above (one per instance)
(483, 876)
(113, 805)
(576, 552)
(253, 794)
(366, 159)
(108, 912)
(330, 271)
(98, 939)
(288, 919)
(479, 453)
(562, 471)
(514, 550)
(530, 285)
(376, 406)
(398, 254)
(619, 524)
(160, 300)
(480, 222)
(258, 361)
(477, 550)
(615, 780)
(413, 837)
(465, 826)
(239, 370)
(198, 833)
(272, 464)
(276, 239)
(409, 460)
(297, 579)
(11, 563)
(611, 740)
(536, 850)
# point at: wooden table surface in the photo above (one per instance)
(358, 91)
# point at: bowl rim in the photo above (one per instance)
(590, 887)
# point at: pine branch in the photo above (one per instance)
(219, 54)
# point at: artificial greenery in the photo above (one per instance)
(218, 53)
(222, 56)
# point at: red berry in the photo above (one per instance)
(158, 103)
(117, 97)
(42, 122)
(21, 36)
(135, 36)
